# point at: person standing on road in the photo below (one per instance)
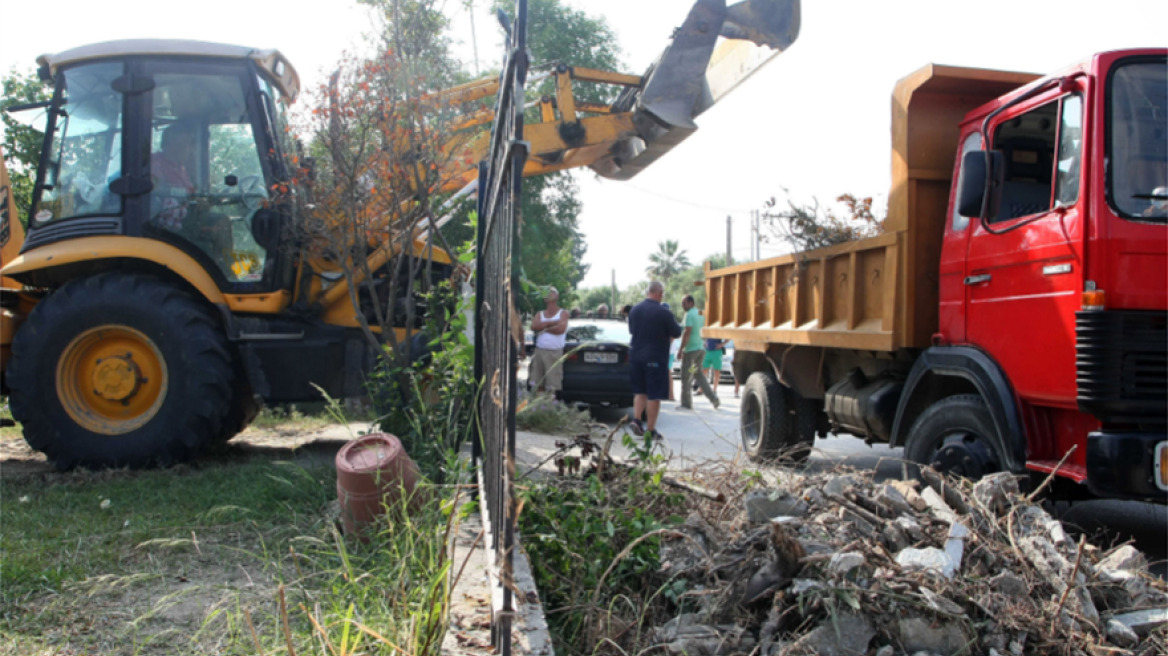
(712, 362)
(549, 327)
(692, 352)
(672, 355)
(651, 327)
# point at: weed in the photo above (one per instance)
(239, 558)
(542, 413)
(594, 545)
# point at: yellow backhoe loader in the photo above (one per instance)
(152, 309)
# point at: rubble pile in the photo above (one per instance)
(835, 564)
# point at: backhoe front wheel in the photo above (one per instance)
(120, 369)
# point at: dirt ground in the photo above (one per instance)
(176, 587)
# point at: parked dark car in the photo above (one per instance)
(596, 363)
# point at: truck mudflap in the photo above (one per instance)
(1129, 465)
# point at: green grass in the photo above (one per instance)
(234, 557)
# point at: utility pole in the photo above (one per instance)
(757, 219)
(612, 309)
(729, 253)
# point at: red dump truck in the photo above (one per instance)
(1012, 315)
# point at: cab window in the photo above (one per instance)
(85, 153)
(1031, 144)
(208, 181)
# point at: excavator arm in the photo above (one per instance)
(715, 49)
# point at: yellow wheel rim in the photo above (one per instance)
(111, 379)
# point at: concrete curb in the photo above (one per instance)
(473, 587)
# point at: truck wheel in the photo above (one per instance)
(954, 436)
(763, 418)
(120, 370)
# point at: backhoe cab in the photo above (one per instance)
(171, 295)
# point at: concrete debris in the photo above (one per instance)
(942, 638)
(1144, 622)
(929, 559)
(837, 564)
(842, 563)
(764, 505)
(848, 635)
(1124, 558)
(1121, 634)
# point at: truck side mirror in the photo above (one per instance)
(975, 182)
(265, 228)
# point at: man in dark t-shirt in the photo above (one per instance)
(651, 327)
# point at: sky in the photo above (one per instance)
(814, 121)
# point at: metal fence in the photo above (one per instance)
(496, 281)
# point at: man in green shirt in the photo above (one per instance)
(693, 350)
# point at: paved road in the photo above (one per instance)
(703, 434)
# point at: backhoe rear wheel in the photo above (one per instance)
(120, 369)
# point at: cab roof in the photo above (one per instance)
(271, 61)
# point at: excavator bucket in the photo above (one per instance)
(694, 72)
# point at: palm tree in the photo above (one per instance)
(667, 261)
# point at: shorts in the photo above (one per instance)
(545, 370)
(650, 379)
(713, 360)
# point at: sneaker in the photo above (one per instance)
(684, 407)
(636, 428)
(717, 403)
(654, 435)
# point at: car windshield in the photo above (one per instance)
(606, 331)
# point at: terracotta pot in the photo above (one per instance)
(373, 472)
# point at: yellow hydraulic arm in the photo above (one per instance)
(715, 49)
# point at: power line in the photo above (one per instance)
(680, 201)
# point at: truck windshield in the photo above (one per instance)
(1137, 145)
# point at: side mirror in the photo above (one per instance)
(265, 227)
(975, 182)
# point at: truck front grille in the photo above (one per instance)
(1121, 365)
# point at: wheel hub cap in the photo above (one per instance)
(965, 455)
(116, 378)
(111, 379)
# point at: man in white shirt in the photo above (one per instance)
(549, 327)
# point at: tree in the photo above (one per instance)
(667, 261)
(808, 227)
(21, 143)
(552, 248)
(388, 149)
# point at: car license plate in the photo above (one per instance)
(600, 358)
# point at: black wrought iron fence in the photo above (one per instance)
(500, 182)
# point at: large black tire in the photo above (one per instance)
(120, 369)
(955, 436)
(763, 417)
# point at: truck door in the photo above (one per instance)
(1024, 270)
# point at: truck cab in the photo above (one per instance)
(213, 116)
(1060, 275)
(1013, 316)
